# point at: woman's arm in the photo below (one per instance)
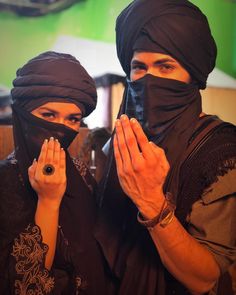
(50, 190)
(142, 169)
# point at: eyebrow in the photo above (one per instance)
(53, 111)
(157, 62)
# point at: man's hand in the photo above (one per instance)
(142, 166)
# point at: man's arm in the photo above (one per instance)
(142, 169)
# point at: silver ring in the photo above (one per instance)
(48, 169)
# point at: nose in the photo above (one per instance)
(151, 71)
(61, 121)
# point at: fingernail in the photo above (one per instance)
(123, 117)
(51, 138)
(56, 140)
(117, 123)
(133, 120)
(46, 140)
(34, 160)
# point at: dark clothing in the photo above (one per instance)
(78, 266)
(128, 246)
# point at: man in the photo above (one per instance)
(168, 225)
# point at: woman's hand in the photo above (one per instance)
(142, 166)
(50, 188)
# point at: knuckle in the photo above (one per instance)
(137, 166)
(127, 171)
(56, 163)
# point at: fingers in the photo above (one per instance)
(142, 139)
(31, 171)
(41, 160)
(126, 139)
(50, 150)
(158, 152)
(56, 153)
(121, 141)
(51, 153)
(134, 147)
(62, 163)
(117, 154)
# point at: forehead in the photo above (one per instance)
(61, 107)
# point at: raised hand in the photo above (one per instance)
(47, 175)
(142, 166)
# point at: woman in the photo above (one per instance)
(47, 211)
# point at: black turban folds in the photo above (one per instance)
(53, 76)
(177, 27)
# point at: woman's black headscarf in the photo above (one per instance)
(53, 76)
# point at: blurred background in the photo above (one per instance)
(86, 29)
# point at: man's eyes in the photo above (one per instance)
(166, 67)
(137, 67)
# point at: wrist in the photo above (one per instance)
(163, 218)
(48, 205)
(149, 210)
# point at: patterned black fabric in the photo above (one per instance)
(23, 253)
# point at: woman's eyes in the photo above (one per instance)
(56, 118)
(48, 115)
(75, 120)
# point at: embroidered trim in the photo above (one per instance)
(80, 166)
(83, 170)
(12, 158)
(80, 284)
(29, 252)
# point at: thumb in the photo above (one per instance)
(31, 170)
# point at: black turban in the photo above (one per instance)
(53, 76)
(178, 27)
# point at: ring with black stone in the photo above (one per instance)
(48, 169)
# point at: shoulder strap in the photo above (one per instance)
(204, 129)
